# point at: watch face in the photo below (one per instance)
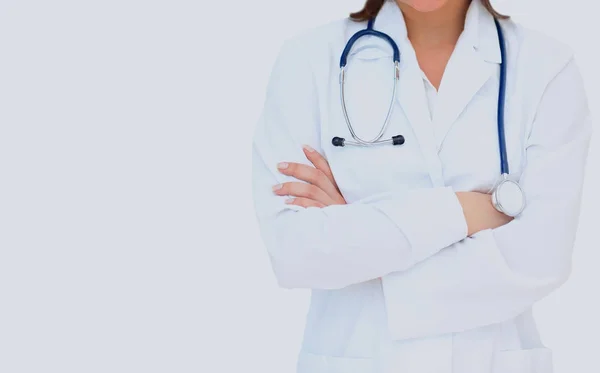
(510, 198)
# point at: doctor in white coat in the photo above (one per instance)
(411, 267)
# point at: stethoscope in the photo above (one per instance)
(507, 196)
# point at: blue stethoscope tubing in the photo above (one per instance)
(505, 186)
(501, 101)
(369, 31)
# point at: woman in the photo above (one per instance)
(411, 267)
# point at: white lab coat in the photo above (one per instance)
(397, 286)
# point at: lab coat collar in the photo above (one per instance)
(479, 32)
(390, 21)
(481, 28)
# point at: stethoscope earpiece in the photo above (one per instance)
(398, 140)
(338, 141)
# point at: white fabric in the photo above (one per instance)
(396, 284)
(431, 94)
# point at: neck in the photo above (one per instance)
(441, 27)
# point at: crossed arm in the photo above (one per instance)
(320, 189)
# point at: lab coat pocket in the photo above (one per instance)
(314, 363)
(537, 360)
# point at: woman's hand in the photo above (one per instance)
(321, 189)
(480, 213)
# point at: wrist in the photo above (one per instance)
(477, 207)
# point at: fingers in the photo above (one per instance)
(303, 190)
(319, 162)
(309, 174)
(319, 186)
(304, 202)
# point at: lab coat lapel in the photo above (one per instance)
(465, 75)
(475, 60)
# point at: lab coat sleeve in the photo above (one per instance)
(335, 246)
(497, 274)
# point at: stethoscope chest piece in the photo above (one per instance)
(508, 197)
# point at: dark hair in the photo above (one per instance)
(372, 7)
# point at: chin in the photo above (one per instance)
(426, 5)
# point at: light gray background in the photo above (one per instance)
(127, 233)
